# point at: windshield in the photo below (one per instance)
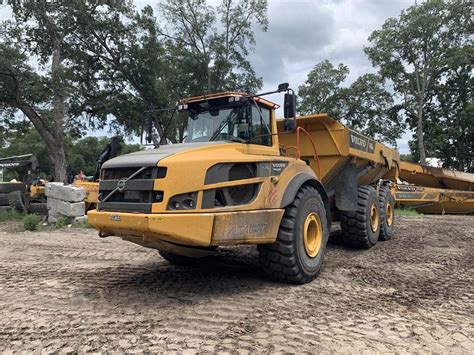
(221, 120)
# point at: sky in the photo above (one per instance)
(302, 33)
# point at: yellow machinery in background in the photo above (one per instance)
(25, 192)
(92, 190)
(434, 190)
(91, 187)
(244, 178)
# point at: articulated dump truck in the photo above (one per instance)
(434, 190)
(242, 177)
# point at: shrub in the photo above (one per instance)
(62, 222)
(10, 215)
(31, 222)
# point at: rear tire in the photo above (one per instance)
(387, 213)
(16, 200)
(38, 208)
(298, 252)
(4, 200)
(7, 187)
(361, 228)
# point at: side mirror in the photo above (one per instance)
(290, 111)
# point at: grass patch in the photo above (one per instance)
(62, 222)
(407, 212)
(31, 222)
(82, 225)
(10, 215)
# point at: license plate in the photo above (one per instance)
(132, 195)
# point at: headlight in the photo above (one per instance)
(183, 202)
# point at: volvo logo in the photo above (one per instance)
(121, 185)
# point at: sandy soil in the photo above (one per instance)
(71, 291)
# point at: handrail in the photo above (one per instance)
(316, 154)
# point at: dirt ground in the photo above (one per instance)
(69, 290)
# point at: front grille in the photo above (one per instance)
(135, 195)
(123, 173)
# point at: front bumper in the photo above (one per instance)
(191, 229)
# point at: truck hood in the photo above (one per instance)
(151, 157)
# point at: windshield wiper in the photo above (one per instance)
(222, 126)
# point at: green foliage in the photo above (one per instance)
(62, 222)
(406, 212)
(82, 225)
(10, 215)
(212, 43)
(25, 141)
(81, 153)
(407, 157)
(365, 105)
(31, 222)
(450, 116)
(322, 90)
(413, 51)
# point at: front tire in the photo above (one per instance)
(298, 252)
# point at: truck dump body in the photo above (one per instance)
(435, 190)
(343, 154)
(432, 200)
(440, 178)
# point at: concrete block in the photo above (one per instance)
(68, 209)
(63, 192)
(56, 217)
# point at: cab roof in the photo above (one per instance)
(229, 94)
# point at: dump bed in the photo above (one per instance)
(338, 147)
(433, 200)
(429, 176)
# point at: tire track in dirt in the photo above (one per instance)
(71, 291)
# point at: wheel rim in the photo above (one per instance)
(313, 235)
(389, 214)
(374, 218)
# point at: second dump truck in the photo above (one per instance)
(242, 177)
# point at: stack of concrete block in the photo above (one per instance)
(65, 202)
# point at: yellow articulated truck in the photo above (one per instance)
(242, 177)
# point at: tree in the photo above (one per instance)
(43, 31)
(412, 51)
(450, 115)
(322, 90)
(213, 55)
(365, 105)
(124, 65)
(81, 153)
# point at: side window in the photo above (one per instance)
(261, 126)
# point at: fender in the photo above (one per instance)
(305, 179)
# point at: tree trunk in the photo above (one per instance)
(419, 132)
(58, 164)
(56, 153)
